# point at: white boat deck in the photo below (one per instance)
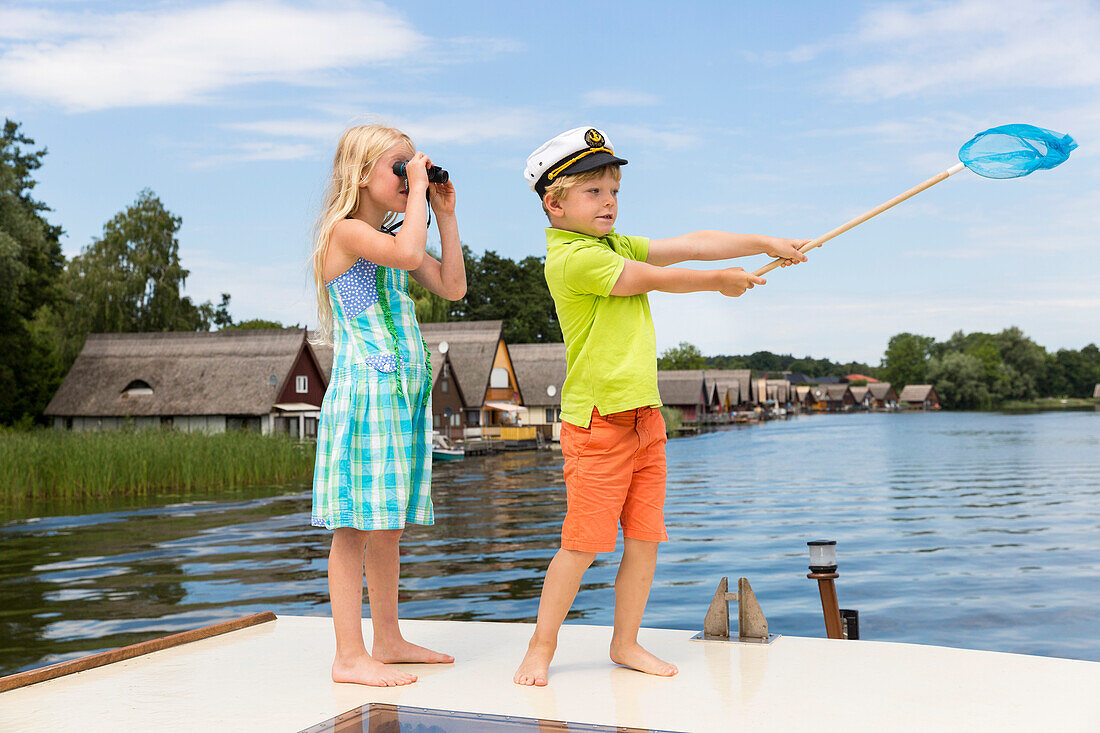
(275, 677)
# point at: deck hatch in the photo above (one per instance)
(387, 718)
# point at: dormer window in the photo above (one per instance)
(137, 387)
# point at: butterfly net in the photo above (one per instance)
(1012, 151)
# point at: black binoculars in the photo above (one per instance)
(435, 173)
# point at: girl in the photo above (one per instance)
(373, 471)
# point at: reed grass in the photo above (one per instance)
(674, 418)
(48, 464)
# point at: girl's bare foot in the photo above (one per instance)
(634, 656)
(535, 667)
(402, 651)
(364, 670)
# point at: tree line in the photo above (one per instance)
(972, 371)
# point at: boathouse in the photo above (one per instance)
(540, 369)
(862, 395)
(686, 391)
(883, 396)
(262, 380)
(919, 397)
(839, 398)
(483, 371)
(743, 379)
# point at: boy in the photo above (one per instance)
(613, 436)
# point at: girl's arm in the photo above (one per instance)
(447, 279)
(710, 245)
(641, 277)
(404, 251)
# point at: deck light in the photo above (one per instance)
(823, 570)
(443, 347)
(822, 556)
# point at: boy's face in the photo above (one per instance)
(588, 208)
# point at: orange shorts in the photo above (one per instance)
(614, 473)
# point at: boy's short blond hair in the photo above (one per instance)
(560, 188)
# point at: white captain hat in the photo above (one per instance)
(575, 151)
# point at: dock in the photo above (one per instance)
(275, 677)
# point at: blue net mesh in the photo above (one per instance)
(1012, 151)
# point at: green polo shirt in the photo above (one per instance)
(609, 342)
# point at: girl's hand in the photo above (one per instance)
(785, 248)
(416, 171)
(734, 281)
(442, 198)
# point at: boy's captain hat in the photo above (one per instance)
(576, 151)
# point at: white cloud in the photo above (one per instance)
(259, 151)
(461, 127)
(171, 55)
(619, 98)
(957, 48)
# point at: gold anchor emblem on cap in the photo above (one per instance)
(593, 138)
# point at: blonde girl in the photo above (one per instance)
(373, 470)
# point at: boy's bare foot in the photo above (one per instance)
(635, 657)
(409, 653)
(364, 670)
(535, 667)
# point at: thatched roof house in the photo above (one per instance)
(685, 390)
(838, 397)
(540, 369)
(861, 393)
(743, 377)
(263, 380)
(920, 396)
(883, 395)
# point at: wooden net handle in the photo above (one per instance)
(864, 217)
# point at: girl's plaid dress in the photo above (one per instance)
(374, 440)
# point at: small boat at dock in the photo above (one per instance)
(444, 450)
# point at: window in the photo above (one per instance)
(498, 379)
(435, 421)
(456, 420)
(443, 385)
(473, 418)
(137, 387)
(301, 384)
(446, 369)
(549, 414)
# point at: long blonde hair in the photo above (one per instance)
(357, 152)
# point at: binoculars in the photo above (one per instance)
(435, 173)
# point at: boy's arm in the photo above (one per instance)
(708, 245)
(642, 277)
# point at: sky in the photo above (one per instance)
(785, 119)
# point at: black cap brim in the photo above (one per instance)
(587, 163)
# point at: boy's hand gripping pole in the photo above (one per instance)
(864, 217)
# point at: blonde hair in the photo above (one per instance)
(560, 188)
(357, 152)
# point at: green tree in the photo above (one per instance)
(430, 308)
(515, 292)
(30, 269)
(131, 279)
(906, 359)
(960, 381)
(684, 356)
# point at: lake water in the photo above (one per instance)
(975, 530)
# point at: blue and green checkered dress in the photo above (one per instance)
(374, 440)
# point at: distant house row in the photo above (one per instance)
(273, 381)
